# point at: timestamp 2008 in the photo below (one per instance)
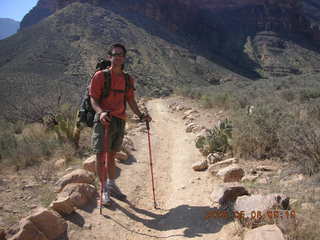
(255, 214)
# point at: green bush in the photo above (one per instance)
(218, 139)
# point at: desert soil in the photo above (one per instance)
(182, 195)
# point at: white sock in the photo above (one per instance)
(111, 182)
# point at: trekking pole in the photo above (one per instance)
(150, 157)
(102, 184)
(104, 173)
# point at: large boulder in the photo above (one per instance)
(28, 231)
(214, 168)
(76, 176)
(74, 195)
(266, 232)
(63, 205)
(90, 164)
(260, 209)
(200, 165)
(232, 173)
(42, 225)
(226, 193)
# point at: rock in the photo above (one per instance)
(60, 163)
(87, 226)
(69, 169)
(49, 223)
(249, 178)
(264, 180)
(127, 145)
(28, 231)
(190, 127)
(287, 223)
(215, 157)
(264, 204)
(80, 194)
(231, 173)
(186, 113)
(200, 165)
(73, 195)
(227, 192)
(188, 122)
(266, 232)
(90, 164)
(203, 133)
(213, 169)
(307, 206)
(76, 176)
(265, 168)
(196, 129)
(63, 205)
(179, 108)
(122, 156)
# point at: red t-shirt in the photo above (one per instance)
(115, 101)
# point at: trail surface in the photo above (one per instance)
(181, 194)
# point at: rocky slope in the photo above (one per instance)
(171, 44)
(60, 54)
(224, 29)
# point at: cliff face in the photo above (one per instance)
(201, 16)
(225, 28)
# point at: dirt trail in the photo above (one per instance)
(181, 193)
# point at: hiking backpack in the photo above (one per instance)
(86, 112)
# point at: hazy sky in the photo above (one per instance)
(16, 9)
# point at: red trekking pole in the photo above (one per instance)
(150, 157)
(103, 170)
(102, 184)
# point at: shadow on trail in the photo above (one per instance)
(190, 218)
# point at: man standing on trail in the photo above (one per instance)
(109, 127)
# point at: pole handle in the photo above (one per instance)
(148, 126)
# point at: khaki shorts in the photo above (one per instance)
(110, 140)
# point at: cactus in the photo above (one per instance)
(219, 139)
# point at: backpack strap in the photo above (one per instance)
(107, 86)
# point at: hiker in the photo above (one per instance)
(86, 113)
(110, 118)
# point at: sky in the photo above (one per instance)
(16, 9)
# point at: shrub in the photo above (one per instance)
(257, 135)
(218, 139)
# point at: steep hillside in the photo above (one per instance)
(8, 27)
(226, 31)
(43, 64)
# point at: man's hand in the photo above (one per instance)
(145, 117)
(105, 118)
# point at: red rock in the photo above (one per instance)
(49, 223)
(76, 176)
(266, 232)
(28, 231)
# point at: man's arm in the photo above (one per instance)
(134, 107)
(104, 117)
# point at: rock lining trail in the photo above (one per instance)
(181, 193)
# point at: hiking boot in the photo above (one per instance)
(106, 201)
(115, 192)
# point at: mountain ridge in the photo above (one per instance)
(8, 27)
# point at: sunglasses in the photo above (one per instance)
(117, 55)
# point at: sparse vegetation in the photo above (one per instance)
(218, 139)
